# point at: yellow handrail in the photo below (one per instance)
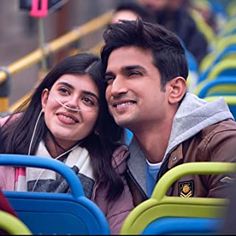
(57, 44)
(23, 99)
(52, 47)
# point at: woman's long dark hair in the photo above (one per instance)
(100, 144)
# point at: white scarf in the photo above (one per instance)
(77, 157)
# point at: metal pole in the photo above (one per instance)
(42, 43)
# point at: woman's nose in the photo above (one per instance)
(72, 104)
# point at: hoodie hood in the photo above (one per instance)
(193, 115)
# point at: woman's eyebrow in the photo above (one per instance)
(86, 92)
(65, 84)
(83, 91)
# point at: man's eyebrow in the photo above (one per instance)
(127, 68)
(109, 73)
(131, 67)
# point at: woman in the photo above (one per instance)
(67, 119)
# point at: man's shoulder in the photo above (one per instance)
(225, 125)
(213, 135)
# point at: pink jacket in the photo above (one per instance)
(7, 173)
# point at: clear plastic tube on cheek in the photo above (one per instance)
(65, 106)
(87, 109)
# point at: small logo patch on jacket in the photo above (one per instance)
(186, 189)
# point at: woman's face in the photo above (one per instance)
(71, 108)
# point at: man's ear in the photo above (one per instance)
(44, 98)
(177, 88)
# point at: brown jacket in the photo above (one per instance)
(214, 142)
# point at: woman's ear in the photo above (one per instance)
(44, 98)
(177, 89)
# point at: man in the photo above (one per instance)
(130, 11)
(173, 15)
(145, 71)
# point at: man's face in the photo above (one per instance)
(134, 92)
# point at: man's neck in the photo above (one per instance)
(154, 142)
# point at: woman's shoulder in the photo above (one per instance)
(7, 178)
(10, 117)
(3, 120)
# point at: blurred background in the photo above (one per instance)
(19, 34)
(30, 45)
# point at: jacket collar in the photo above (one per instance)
(176, 156)
(137, 164)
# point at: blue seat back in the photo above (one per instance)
(55, 213)
(227, 52)
(222, 86)
(183, 225)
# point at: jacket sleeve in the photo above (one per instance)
(3, 120)
(7, 178)
(116, 210)
(221, 147)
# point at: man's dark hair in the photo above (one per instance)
(168, 53)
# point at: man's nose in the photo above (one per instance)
(118, 86)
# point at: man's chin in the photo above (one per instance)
(125, 123)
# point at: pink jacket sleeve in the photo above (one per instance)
(7, 173)
(3, 120)
(7, 178)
